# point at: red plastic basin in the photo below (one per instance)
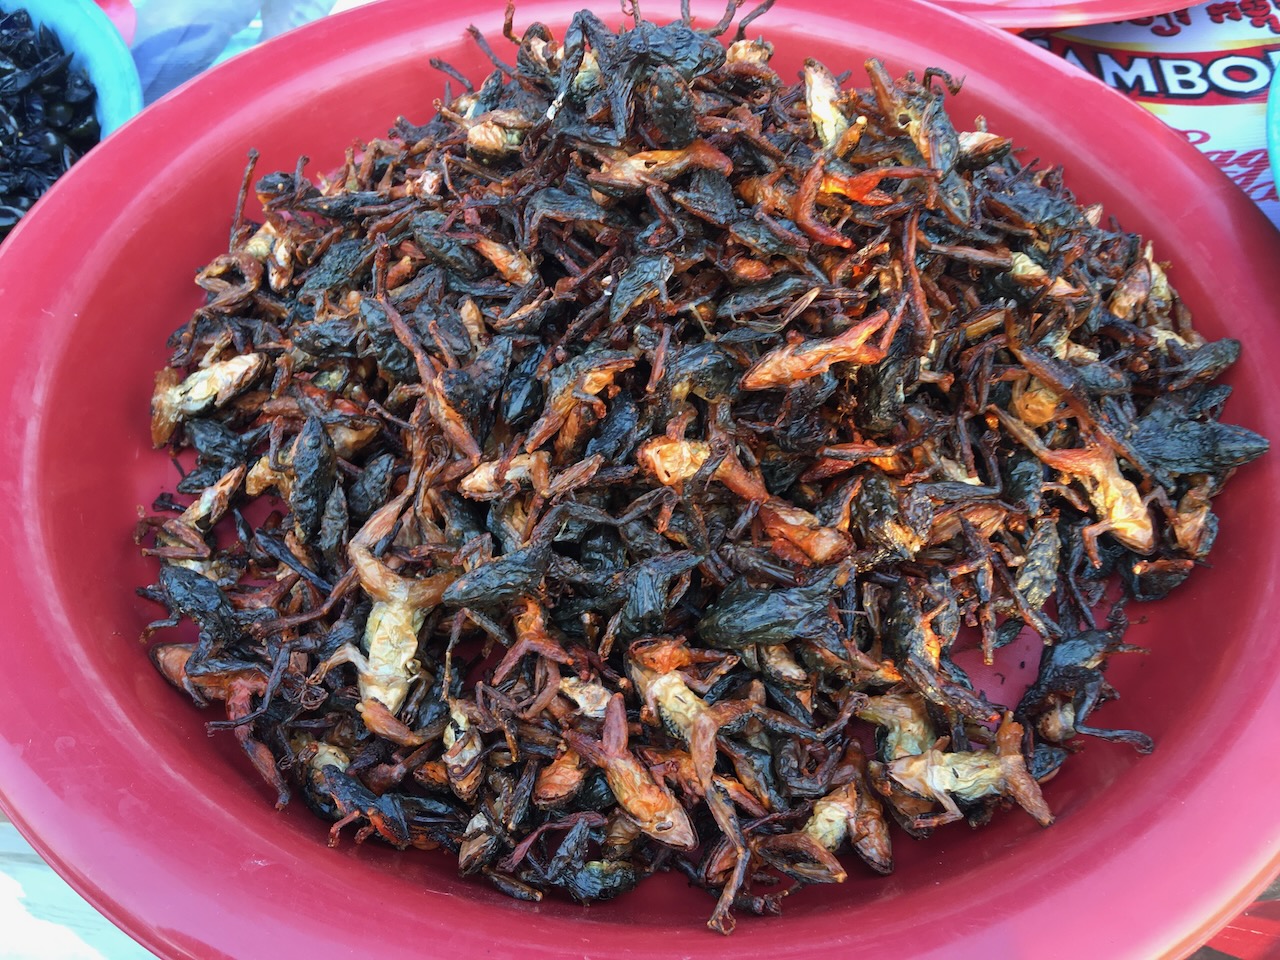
(109, 771)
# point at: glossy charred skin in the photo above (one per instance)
(1070, 684)
(577, 482)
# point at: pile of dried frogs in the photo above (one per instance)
(595, 480)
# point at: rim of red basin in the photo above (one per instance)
(1053, 14)
(1186, 838)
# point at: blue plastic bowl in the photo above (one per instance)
(96, 46)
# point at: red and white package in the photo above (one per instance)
(1204, 70)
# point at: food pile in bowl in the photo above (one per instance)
(606, 477)
(46, 111)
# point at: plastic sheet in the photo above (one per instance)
(174, 42)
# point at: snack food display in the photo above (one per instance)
(771, 562)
